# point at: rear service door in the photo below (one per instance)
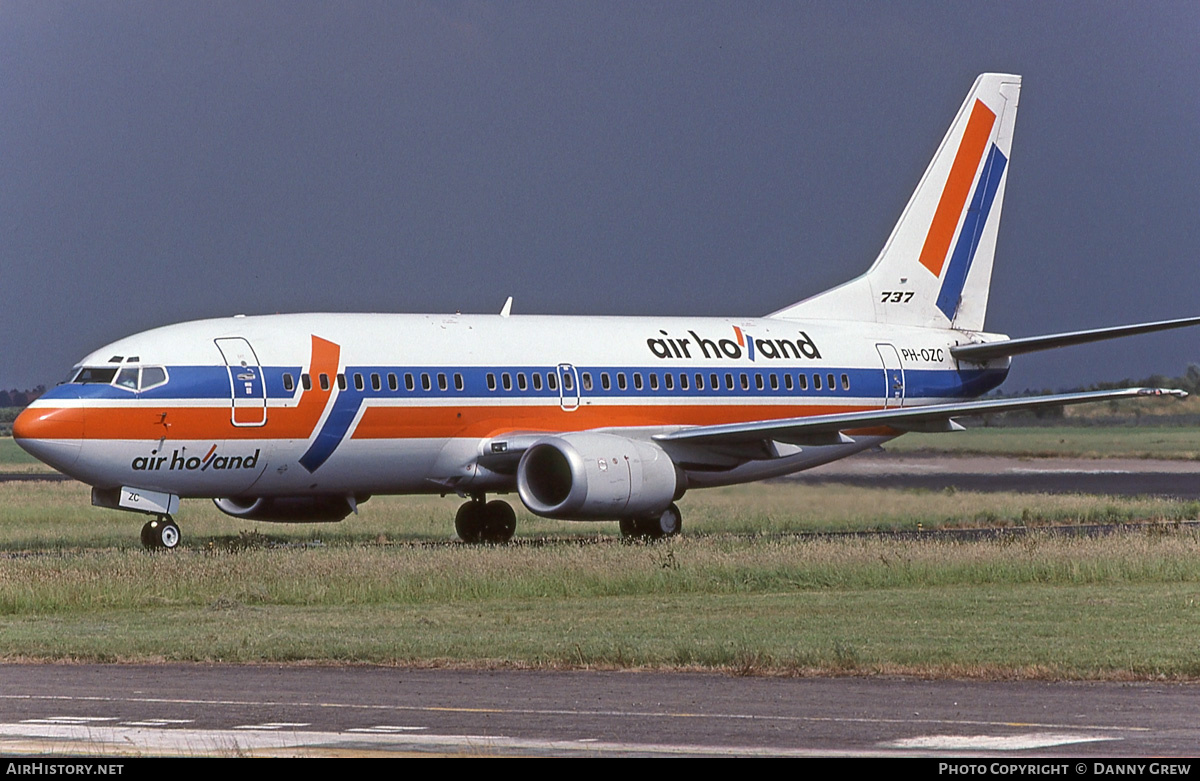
(893, 376)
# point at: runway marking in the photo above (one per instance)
(115, 740)
(69, 720)
(155, 722)
(386, 729)
(993, 742)
(273, 725)
(620, 714)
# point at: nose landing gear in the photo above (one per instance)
(160, 534)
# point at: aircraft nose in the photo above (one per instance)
(51, 434)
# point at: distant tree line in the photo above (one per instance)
(20, 398)
(1190, 382)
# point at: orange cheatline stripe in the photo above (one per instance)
(49, 423)
(409, 422)
(958, 187)
(201, 423)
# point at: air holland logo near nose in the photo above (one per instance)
(742, 345)
(178, 461)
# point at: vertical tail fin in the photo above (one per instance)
(936, 267)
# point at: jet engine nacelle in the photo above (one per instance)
(289, 509)
(596, 477)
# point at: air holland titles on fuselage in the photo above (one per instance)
(302, 417)
(733, 349)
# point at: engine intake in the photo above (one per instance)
(597, 477)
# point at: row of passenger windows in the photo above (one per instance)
(681, 380)
(360, 382)
(639, 381)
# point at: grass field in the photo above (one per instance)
(1170, 442)
(737, 593)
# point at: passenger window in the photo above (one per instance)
(605, 382)
(803, 381)
(521, 384)
(759, 382)
(621, 383)
(376, 382)
(728, 381)
(653, 381)
(832, 385)
(306, 381)
(585, 380)
(537, 381)
(816, 382)
(443, 383)
(774, 382)
(458, 382)
(426, 382)
(289, 383)
(393, 383)
(699, 381)
(714, 382)
(410, 383)
(787, 382)
(845, 382)
(324, 380)
(506, 381)
(637, 380)
(745, 382)
(683, 381)
(341, 379)
(491, 381)
(568, 382)
(551, 380)
(358, 381)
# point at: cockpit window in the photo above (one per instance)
(153, 376)
(94, 374)
(128, 378)
(132, 378)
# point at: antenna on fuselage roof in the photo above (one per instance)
(506, 310)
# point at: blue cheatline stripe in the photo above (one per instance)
(212, 383)
(345, 407)
(870, 383)
(972, 229)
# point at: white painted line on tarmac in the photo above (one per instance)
(1024, 742)
(70, 720)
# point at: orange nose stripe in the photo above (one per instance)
(49, 423)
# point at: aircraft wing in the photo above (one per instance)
(832, 429)
(981, 353)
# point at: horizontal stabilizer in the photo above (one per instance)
(806, 431)
(982, 353)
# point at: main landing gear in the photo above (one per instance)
(160, 534)
(480, 521)
(666, 525)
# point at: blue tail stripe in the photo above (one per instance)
(968, 239)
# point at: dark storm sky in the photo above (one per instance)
(169, 161)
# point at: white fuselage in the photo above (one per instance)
(288, 405)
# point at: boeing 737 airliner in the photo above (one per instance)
(302, 417)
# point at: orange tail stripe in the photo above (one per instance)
(958, 187)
